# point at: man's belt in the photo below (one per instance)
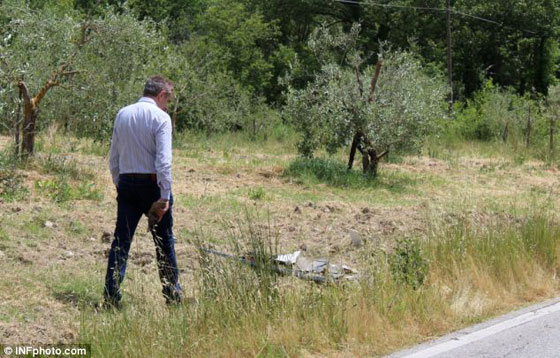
(151, 176)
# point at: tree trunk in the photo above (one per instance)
(528, 130)
(505, 132)
(17, 125)
(355, 142)
(551, 139)
(370, 162)
(28, 130)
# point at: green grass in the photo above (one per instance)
(422, 287)
(76, 290)
(474, 247)
(12, 186)
(60, 190)
(61, 165)
(335, 173)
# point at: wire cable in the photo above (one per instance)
(439, 9)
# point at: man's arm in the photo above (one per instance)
(114, 157)
(163, 158)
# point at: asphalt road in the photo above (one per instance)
(533, 332)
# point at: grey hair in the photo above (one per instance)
(156, 84)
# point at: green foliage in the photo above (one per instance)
(35, 43)
(494, 113)
(120, 55)
(240, 36)
(244, 283)
(226, 58)
(12, 186)
(408, 263)
(522, 124)
(61, 165)
(334, 106)
(334, 173)
(257, 193)
(329, 171)
(59, 190)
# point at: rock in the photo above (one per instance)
(49, 224)
(355, 239)
(92, 239)
(106, 237)
(297, 210)
(68, 254)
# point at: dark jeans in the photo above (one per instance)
(135, 197)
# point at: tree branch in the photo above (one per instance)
(25, 91)
(382, 154)
(360, 85)
(374, 81)
(50, 84)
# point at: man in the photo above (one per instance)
(140, 163)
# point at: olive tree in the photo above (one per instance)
(394, 113)
(119, 57)
(38, 54)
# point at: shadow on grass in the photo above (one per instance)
(334, 173)
(77, 293)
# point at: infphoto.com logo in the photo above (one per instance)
(59, 351)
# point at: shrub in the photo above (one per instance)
(335, 110)
(11, 179)
(408, 263)
(496, 113)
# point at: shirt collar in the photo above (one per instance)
(147, 99)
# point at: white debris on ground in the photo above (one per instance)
(318, 270)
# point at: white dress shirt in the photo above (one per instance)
(141, 143)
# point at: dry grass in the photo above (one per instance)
(53, 274)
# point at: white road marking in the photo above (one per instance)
(483, 333)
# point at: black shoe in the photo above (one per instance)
(111, 303)
(173, 301)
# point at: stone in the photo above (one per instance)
(49, 224)
(68, 254)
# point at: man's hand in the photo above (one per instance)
(156, 212)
